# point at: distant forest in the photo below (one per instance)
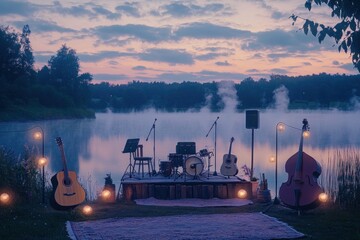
(58, 90)
(322, 91)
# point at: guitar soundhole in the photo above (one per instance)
(67, 182)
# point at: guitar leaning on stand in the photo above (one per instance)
(229, 168)
(67, 192)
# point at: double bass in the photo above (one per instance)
(301, 191)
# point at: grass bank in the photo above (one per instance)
(36, 112)
(39, 222)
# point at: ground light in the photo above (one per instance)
(242, 193)
(87, 210)
(323, 197)
(106, 194)
(5, 198)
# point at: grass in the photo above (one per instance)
(42, 222)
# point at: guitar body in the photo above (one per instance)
(67, 191)
(68, 194)
(229, 168)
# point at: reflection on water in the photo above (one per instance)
(94, 147)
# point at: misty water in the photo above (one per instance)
(93, 148)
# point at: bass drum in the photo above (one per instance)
(194, 166)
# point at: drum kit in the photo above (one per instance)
(193, 165)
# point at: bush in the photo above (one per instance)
(20, 176)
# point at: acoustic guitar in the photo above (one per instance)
(67, 192)
(228, 167)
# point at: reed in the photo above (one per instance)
(341, 179)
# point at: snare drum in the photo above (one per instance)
(194, 166)
(165, 168)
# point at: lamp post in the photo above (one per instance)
(42, 161)
(280, 126)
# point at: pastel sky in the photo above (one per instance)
(174, 41)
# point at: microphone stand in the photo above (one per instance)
(214, 124)
(147, 138)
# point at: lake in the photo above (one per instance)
(93, 147)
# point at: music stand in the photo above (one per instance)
(130, 147)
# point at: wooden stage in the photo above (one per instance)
(184, 186)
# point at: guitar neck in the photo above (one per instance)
(63, 158)
(231, 141)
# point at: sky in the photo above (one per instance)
(175, 41)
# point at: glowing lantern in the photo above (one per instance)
(87, 210)
(106, 194)
(4, 198)
(242, 193)
(323, 197)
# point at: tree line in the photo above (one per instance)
(320, 91)
(58, 90)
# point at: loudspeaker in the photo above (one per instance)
(252, 119)
(186, 148)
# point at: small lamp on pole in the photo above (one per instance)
(42, 161)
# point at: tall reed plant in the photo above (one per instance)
(341, 179)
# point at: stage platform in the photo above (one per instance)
(185, 186)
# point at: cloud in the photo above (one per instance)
(202, 30)
(225, 63)
(350, 67)
(182, 10)
(90, 10)
(139, 68)
(169, 56)
(42, 26)
(289, 41)
(142, 32)
(279, 71)
(22, 8)
(129, 9)
(102, 55)
(210, 56)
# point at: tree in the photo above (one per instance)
(27, 58)
(9, 54)
(64, 74)
(346, 32)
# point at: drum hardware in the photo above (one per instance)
(204, 153)
(214, 124)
